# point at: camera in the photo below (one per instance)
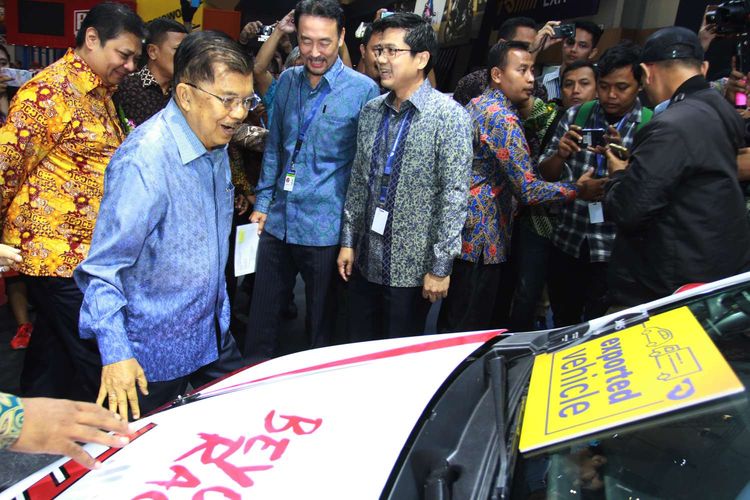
(731, 17)
(265, 33)
(564, 31)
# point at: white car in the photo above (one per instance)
(433, 417)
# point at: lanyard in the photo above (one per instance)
(307, 122)
(386, 180)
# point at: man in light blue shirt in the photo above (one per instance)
(155, 295)
(305, 174)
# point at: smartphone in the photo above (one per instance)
(592, 137)
(18, 76)
(620, 151)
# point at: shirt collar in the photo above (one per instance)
(85, 80)
(692, 84)
(147, 78)
(330, 76)
(188, 144)
(503, 101)
(418, 99)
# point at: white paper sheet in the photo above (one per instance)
(245, 249)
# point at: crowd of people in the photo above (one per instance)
(126, 167)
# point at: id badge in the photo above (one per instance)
(379, 221)
(289, 182)
(596, 212)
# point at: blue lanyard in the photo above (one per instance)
(385, 183)
(307, 122)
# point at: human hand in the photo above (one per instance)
(345, 262)
(614, 163)
(118, 386)
(379, 14)
(250, 31)
(260, 218)
(569, 143)
(4, 79)
(707, 32)
(589, 188)
(611, 137)
(736, 83)
(435, 287)
(241, 203)
(8, 257)
(58, 425)
(545, 37)
(286, 25)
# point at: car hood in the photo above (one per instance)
(322, 423)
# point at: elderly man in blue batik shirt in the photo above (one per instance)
(155, 295)
(306, 167)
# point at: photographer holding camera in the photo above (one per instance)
(670, 230)
(580, 45)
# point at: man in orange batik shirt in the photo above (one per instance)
(61, 131)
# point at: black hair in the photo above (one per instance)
(591, 28)
(159, 27)
(367, 35)
(625, 53)
(2, 48)
(581, 63)
(329, 9)
(201, 51)
(507, 30)
(687, 62)
(110, 20)
(498, 56)
(420, 37)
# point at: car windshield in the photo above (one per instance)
(700, 453)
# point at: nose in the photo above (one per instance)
(130, 64)
(380, 58)
(238, 112)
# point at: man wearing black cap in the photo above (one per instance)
(677, 203)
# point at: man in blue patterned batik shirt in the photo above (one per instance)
(306, 167)
(502, 170)
(406, 202)
(155, 295)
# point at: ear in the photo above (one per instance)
(92, 38)
(593, 54)
(496, 75)
(152, 51)
(422, 59)
(647, 74)
(362, 50)
(183, 96)
(341, 37)
(704, 68)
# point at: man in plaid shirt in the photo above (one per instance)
(583, 238)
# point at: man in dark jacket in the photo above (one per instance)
(677, 204)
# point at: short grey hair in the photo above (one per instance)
(200, 51)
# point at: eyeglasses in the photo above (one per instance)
(249, 103)
(390, 52)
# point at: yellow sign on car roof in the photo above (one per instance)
(668, 362)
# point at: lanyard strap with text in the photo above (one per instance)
(385, 183)
(306, 123)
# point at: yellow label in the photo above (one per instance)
(151, 9)
(240, 236)
(667, 363)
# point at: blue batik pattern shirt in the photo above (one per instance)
(311, 214)
(153, 282)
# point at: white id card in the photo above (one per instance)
(596, 212)
(289, 182)
(378, 222)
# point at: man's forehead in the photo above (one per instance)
(393, 36)
(583, 36)
(375, 39)
(579, 73)
(620, 75)
(125, 41)
(519, 56)
(524, 34)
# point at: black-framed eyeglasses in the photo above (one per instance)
(249, 103)
(390, 52)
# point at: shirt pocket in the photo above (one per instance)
(336, 139)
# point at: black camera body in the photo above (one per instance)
(731, 17)
(564, 31)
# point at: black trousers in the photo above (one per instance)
(161, 393)
(380, 312)
(58, 362)
(471, 299)
(277, 267)
(577, 287)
